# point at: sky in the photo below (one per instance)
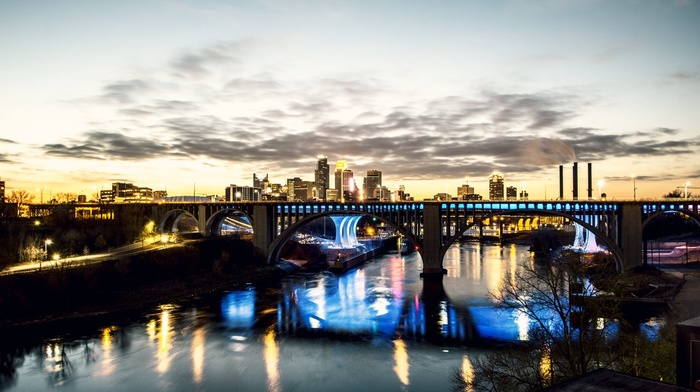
(192, 96)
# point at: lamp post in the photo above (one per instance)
(634, 185)
(47, 242)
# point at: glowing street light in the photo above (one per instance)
(47, 242)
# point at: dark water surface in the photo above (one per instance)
(377, 328)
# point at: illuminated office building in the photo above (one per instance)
(464, 191)
(373, 185)
(344, 182)
(496, 186)
(321, 177)
(511, 193)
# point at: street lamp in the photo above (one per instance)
(47, 242)
(634, 184)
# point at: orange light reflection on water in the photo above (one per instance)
(271, 353)
(401, 361)
(198, 355)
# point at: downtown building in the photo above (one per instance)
(123, 192)
(496, 186)
(466, 192)
(344, 182)
(242, 193)
(373, 186)
(300, 190)
(321, 178)
(511, 193)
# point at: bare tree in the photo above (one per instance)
(568, 334)
(574, 327)
(21, 197)
(65, 197)
(33, 249)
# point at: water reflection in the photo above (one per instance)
(379, 325)
(197, 348)
(164, 341)
(467, 371)
(401, 360)
(57, 364)
(271, 353)
(107, 365)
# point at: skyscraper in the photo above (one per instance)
(339, 167)
(344, 182)
(321, 177)
(373, 184)
(496, 186)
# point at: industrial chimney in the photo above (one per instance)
(590, 181)
(575, 180)
(561, 182)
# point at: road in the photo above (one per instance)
(147, 245)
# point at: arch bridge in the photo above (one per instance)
(434, 226)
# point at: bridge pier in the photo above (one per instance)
(431, 248)
(264, 226)
(631, 236)
(202, 219)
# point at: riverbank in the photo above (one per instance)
(88, 293)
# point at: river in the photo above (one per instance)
(379, 327)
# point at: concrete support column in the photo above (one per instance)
(263, 227)
(202, 219)
(432, 242)
(631, 235)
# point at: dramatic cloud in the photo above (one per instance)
(260, 117)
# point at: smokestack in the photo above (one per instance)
(590, 181)
(575, 180)
(561, 182)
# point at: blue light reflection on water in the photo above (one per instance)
(401, 333)
(350, 303)
(238, 309)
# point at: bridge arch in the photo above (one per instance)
(220, 216)
(614, 249)
(169, 222)
(691, 214)
(275, 247)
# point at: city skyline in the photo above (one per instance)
(172, 93)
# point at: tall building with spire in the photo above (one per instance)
(496, 186)
(321, 177)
